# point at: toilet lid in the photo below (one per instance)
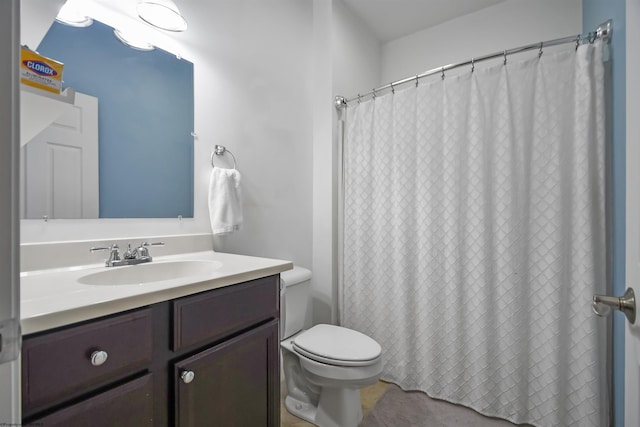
(336, 345)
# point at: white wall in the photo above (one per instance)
(356, 53)
(254, 88)
(503, 26)
(346, 54)
(322, 291)
(252, 94)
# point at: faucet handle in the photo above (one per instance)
(114, 254)
(111, 248)
(147, 244)
(143, 249)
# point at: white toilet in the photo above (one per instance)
(325, 366)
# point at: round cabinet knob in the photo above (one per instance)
(187, 376)
(98, 357)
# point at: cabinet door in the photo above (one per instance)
(236, 383)
(129, 405)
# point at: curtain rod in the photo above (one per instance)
(602, 32)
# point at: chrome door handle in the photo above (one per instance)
(187, 376)
(602, 305)
(98, 357)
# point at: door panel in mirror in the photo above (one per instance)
(61, 164)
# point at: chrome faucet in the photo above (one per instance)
(114, 254)
(130, 257)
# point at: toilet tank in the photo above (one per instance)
(294, 300)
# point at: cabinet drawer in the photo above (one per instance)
(217, 314)
(58, 365)
(129, 405)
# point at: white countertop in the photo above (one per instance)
(52, 298)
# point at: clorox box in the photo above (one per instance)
(39, 71)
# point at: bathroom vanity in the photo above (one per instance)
(198, 353)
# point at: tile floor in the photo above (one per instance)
(447, 413)
(369, 396)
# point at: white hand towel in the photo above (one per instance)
(225, 207)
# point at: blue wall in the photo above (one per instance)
(595, 12)
(145, 117)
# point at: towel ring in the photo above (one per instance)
(220, 150)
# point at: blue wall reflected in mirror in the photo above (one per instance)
(145, 119)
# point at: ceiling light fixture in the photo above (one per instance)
(71, 14)
(132, 40)
(163, 14)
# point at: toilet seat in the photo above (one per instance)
(335, 345)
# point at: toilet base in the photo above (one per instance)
(303, 410)
(337, 407)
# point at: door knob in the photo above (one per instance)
(98, 357)
(187, 376)
(602, 305)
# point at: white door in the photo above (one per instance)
(632, 332)
(9, 225)
(60, 166)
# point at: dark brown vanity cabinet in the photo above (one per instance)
(208, 359)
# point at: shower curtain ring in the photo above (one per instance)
(577, 42)
(540, 51)
(393, 89)
(442, 73)
(505, 57)
(416, 80)
(473, 65)
(359, 98)
(374, 93)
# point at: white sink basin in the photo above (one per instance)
(151, 272)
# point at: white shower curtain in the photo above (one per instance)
(474, 237)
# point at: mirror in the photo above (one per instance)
(145, 115)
